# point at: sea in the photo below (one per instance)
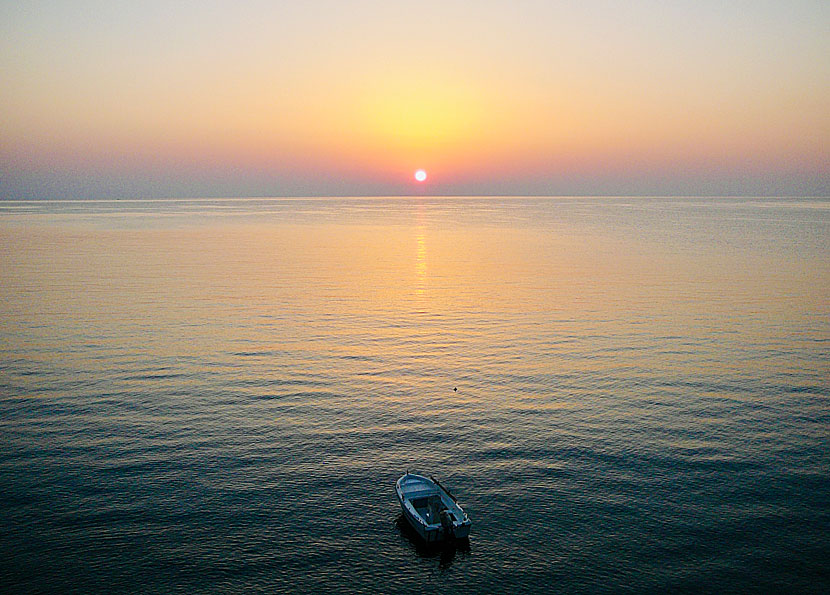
(626, 394)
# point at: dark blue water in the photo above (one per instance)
(218, 396)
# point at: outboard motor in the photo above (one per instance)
(446, 523)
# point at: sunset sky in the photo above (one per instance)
(196, 99)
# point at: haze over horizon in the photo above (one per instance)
(179, 99)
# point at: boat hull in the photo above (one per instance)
(462, 531)
(428, 533)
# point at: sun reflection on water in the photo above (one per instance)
(420, 262)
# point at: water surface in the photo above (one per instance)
(218, 395)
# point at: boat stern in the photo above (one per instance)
(462, 530)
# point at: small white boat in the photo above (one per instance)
(431, 509)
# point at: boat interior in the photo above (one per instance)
(429, 507)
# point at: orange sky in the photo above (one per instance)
(328, 98)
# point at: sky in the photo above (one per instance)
(125, 99)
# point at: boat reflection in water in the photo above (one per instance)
(445, 551)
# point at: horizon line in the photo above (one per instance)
(340, 196)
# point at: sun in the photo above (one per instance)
(420, 175)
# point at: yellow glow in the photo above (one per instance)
(421, 114)
(425, 117)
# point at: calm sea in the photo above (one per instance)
(217, 396)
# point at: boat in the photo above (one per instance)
(431, 509)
